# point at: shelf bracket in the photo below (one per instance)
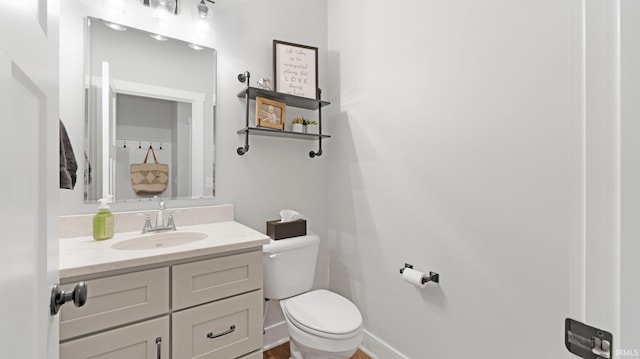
(313, 154)
(242, 78)
(242, 150)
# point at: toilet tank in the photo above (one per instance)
(289, 266)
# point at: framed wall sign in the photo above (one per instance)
(295, 69)
(270, 113)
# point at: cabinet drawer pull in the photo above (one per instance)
(213, 336)
(159, 346)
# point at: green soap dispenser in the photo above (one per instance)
(103, 222)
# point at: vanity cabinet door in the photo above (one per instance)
(208, 280)
(137, 341)
(228, 328)
(117, 300)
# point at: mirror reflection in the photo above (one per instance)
(147, 96)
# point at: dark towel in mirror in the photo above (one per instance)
(68, 164)
(87, 169)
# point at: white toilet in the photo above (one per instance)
(321, 324)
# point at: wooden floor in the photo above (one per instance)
(282, 352)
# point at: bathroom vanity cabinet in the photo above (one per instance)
(204, 307)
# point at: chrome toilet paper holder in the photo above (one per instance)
(433, 276)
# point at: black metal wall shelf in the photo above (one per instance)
(290, 100)
(260, 131)
(250, 93)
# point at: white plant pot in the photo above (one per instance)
(297, 127)
(312, 129)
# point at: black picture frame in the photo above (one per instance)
(295, 69)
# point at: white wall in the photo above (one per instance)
(275, 173)
(459, 151)
(602, 166)
(630, 246)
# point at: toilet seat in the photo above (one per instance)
(325, 314)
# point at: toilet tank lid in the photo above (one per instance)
(287, 244)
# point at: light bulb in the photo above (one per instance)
(115, 26)
(195, 46)
(159, 37)
(170, 6)
(202, 10)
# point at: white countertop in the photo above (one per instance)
(84, 255)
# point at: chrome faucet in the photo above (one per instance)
(162, 207)
(160, 225)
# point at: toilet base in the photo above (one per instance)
(299, 351)
(295, 352)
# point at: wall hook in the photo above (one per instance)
(140, 145)
(125, 143)
(160, 145)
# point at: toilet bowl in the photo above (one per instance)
(321, 324)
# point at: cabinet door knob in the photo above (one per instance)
(58, 296)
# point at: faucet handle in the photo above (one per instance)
(147, 223)
(170, 221)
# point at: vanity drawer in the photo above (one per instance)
(146, 340)
(227, 328)
(209, 280)
(117, 300)
(254, 355)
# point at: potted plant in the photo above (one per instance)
(297, 125)
(312, 127)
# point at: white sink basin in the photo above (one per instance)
(159, 240)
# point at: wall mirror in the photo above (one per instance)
(146, 90)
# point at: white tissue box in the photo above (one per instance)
(281, 230)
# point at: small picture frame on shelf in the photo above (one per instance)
(295, 69)
(270, 114)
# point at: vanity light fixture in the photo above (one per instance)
(159, 37)
(169, 6)
(115, 26)
(204, 11)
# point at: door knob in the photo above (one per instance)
(58, 296)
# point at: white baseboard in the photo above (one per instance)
(378, 349)
(274, 335)
(277, 334)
